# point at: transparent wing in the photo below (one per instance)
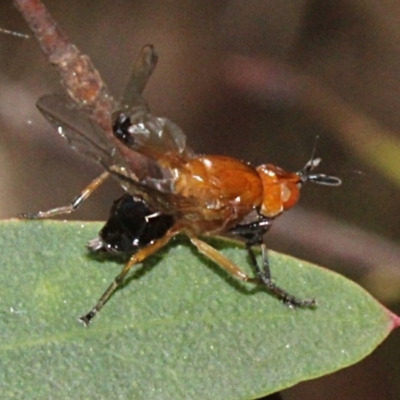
(139, 166)
(86, 136)
(137, 174)
(157, 138)
(143, 68)
(75, 125)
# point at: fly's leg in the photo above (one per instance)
(263, 277)
(76, 202)
(220, 259)
(119, 279)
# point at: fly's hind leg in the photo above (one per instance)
(76, 202)
(263, 276)
(120, 278)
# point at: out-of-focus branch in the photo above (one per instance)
(266, 79)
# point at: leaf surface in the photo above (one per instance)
(180, 329)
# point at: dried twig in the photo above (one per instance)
(80, 78)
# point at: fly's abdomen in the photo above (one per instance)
(131, 225)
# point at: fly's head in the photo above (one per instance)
(281, 189)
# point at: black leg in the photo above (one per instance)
(253, 233)
(263, 277)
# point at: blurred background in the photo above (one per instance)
(258, 80)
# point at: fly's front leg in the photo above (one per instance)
(263, 277)
(76, 202)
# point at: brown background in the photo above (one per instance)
(350, 47)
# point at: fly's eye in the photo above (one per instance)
(121, 129)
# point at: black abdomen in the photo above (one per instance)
(130, 226)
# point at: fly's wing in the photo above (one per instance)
(165, 202)
(75, 125)
(137, 174)
(137, 167)
(143, 68)
(85, 136)
(157, 138)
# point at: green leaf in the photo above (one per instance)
(180, 329)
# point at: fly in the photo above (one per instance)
(169, 188)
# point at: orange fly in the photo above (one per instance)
(169, 188)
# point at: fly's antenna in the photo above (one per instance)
(321, 179)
